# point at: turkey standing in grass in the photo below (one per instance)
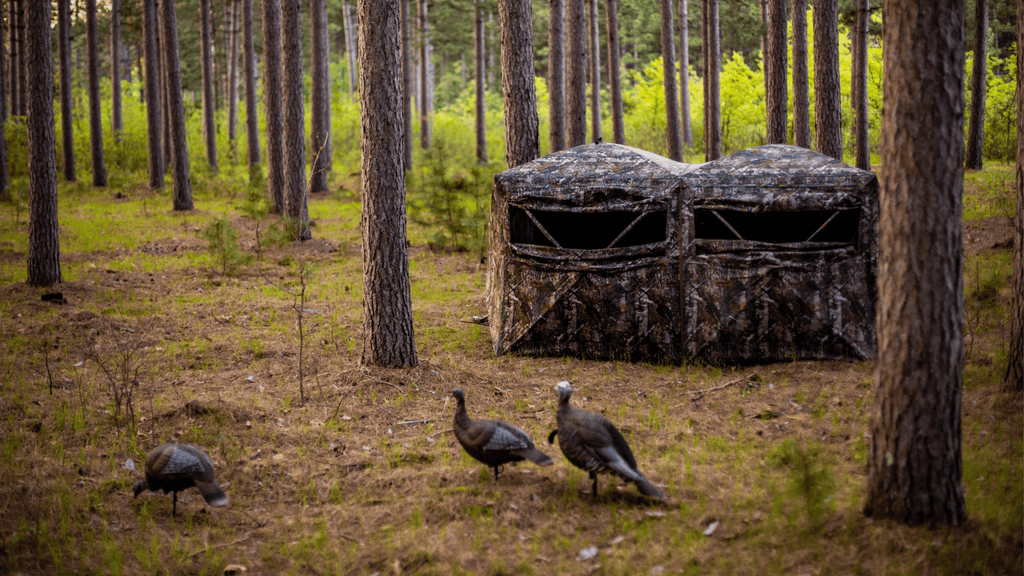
(176, 467)
(494, 442)
(594, 444)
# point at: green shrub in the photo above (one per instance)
(222, 239)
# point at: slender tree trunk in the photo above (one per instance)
(165, 90)
(684, 74)
(478, 63)
(13, 12)
(424, 75)
(914, 453)
(522, 139)
(388, 336)
(206, 49)
(595, 75)
(861, 93)
(43, 239)
(5, 181)
(232, 56)
(99, 169)
(713, 126)
(251, 112)
(176, 109)
(320, 123)
(801, 90)
(407, 84)
(828, 126)
(1014, 378)
(296, 202)
(556, 73)
(576, 73)
(153, 105)
(976, 127)
(775, 70)
(116, 122)
(673, 134)
(272, 103)
(350, 39)
(66, 109)
(142, 79)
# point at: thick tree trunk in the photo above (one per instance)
(860, 105)
(320, 107)
(294, 172)
(407, 84)
(272, 103)
(713, 124)
(684, 73)
(595, 75)
(1014, 378)
(775, 67)
(176, 108)
(673, 134)
(153, 104)
(66, 108)
(828, 125)
(116, 122)
(556, 74)
(251, 112)
(914, 458)
(43, 239)
(99, 169)
(979, 82)
(206, 48)
(388, 337)
(576, 73)
(425, 84)
(478, 64)
(522, 138)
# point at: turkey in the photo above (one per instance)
(176, 467)
(594, 444)
(494, 442)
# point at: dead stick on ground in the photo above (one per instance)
(239, 541)
(722, 387)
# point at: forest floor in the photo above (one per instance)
(355, 470)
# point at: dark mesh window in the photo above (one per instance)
(586, 230)
(777, 227)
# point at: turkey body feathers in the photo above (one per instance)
(176, 467)
(493, 442)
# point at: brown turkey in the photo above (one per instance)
(594, 444)
(494, 442)
(176, 467)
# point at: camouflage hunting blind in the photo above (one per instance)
(609, 252)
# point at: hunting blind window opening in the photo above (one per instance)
(781, 227)
(586, 230)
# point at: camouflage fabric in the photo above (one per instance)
(605, 251)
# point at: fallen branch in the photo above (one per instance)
(239, 541)
(413, 422)
(723, 386)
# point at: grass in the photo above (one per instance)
(365, 478)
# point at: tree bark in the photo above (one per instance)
(979, 82)
(576, 73)
(595, 75)
(673, 134)
(294, 170)
(522, 137)
(478, 63)
(5, 181)
(153, 104)
(43, 239)
(165, 90)
(66, 107)
(1014, 378)
(556, 74)
(388, 336)
(611, 9)
(828, 126)
(206, 48)
(914, 457)
(22, 60)
(99, 169)
(232, 57)
(350, 39)
(424, 76)
(320, 107)
(13, 11)
(860, 106)
(407, 84)
(713, 123)
(116, 121)
(776, 97)
(251, 112)
(272, 103)
(684, 73)
(176, 108)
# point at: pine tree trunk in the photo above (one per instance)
(576, 73)
(351, 40)
(407, 84)
(153, 104)
(522, 137)
(713, 126)
(556, 75)
(116, 122)
(320, 107)
(15, 50)
(165, 90)
(5, 181)
(232, 66)
(251, 112)
(1014, 378)
(272, 103)
(66, 109)
(176, 108)
(775, 67)
(979, 81)
(43, 239)
(861, 94)
(673, 135)
(205, 46)
(22, 60)
(595, 75)
(828, 125)
(294, 141)
(478, 63)
(424, 75)
(684, 73)
(388, 336)
(914, 454)
(99, 169)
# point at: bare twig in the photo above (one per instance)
(431, 436)
(701, 393)
(406, 422)
(221, 545)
